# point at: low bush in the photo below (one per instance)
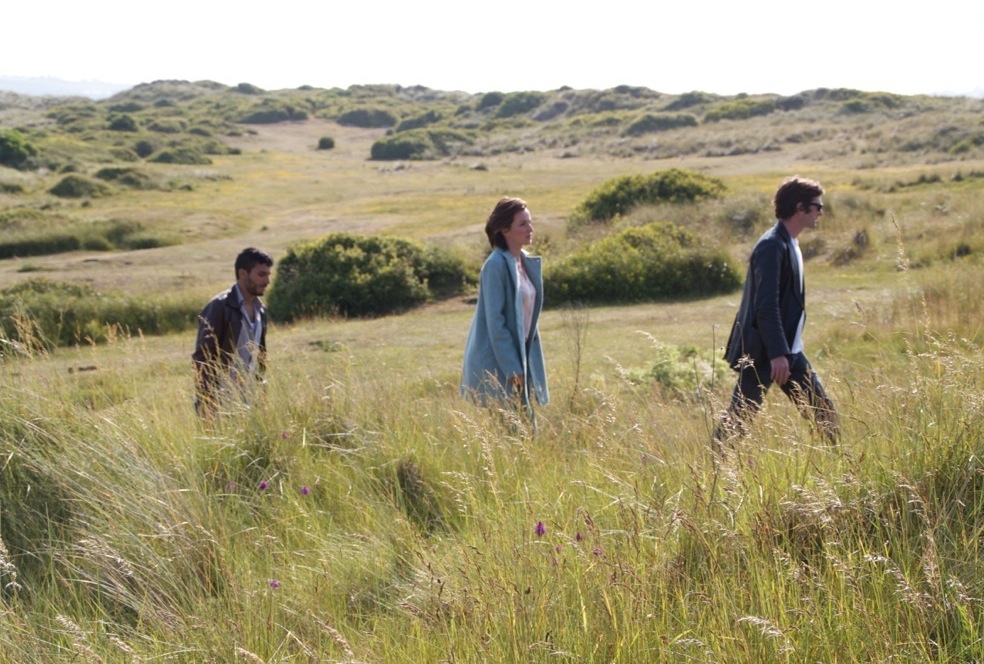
(353, 275)
(420, 121)
(42, 239)
(15, 149)
(679, 370)
(59, 313)
(182, 155)
(367, 118)
(266, 113)
(654, 122)
(419, 144)
(326, 143)
(653, 262)
(740, 109)
(688, 100)
(127, 177)
(517, 103)
(620, 195)
(122, 122)
(74, 185)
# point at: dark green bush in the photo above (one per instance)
(416, 144)
(353, 275)
(126, 176)
(689, 99)
(367, 118)
(326, 143)
(248, 89)
(517, 103)
(39, 239)
(270, 113)
(490, 100)
(64, 314)
(166, 126)
(654, 122)
(122, 122)
(740, 109)
(419, 144)
(15, 149)
(420, 121)
(144, 148)
(653, 262)
(620, 195)
(74, 185)
(181, 155)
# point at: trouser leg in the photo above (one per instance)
(807, 392)
(746, 400)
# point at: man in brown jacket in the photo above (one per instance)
(230, 353)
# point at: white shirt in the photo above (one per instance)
(527, 292)
(797, 346)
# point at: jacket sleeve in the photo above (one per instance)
(767, 272)
(208, 348)
(496, 285)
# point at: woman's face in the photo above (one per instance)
(520, 232)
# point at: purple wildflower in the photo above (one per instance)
(231, 487)
(285, 435)
(579, 537)
(274, 584)
(305, 490)
(540, 530)
(263, 485)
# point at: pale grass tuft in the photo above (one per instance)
(339, 640)
(248, 656)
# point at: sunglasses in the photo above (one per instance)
(818, 206)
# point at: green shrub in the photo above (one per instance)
(420, 121)
(270, 113)
(61, 313)
(620, 195)
(490, 100)
(326, 143)
(74, 185)
(680, 370)
(414, 144)
(689, 99)
(355, 275)
(652, 262)
(419, 144)
(15, 149)
(650, 123)
(367, 118)
(182, 155)
(144, 148)
(40, 239)
(166, 126)
(122, 122)
(517, 103)
(126, 176)
(740, 109)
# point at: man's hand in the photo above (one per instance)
(516, 384)
(780, 370)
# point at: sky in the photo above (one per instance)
(672, 46)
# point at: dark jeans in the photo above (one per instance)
(803, 388)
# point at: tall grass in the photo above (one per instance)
(367, 514)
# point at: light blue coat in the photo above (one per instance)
(496, 349)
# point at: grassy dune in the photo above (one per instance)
(360, 511)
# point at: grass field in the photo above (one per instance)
(362, 512)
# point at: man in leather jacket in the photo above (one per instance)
(766, 341)
(230, 352)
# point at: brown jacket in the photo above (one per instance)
(219, 326)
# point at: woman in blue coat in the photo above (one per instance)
(503, 356)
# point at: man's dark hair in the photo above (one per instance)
(792, 192)
(501, 219)
(251, 257)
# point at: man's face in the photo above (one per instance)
(814, 210)
(256, 280)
